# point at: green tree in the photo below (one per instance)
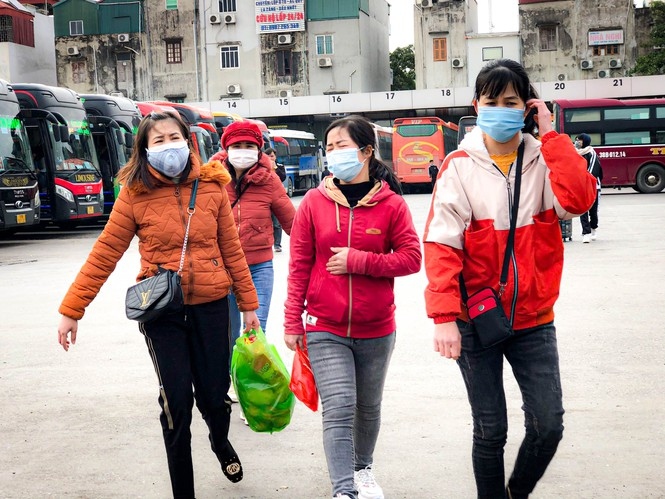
(653, 63)
(402, 63)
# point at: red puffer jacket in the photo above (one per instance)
(214, 260)
(261, 193)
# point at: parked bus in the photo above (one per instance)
(196, 116)
(19, 189)
(222, 120)
(113, 123)
(70, 183)
(416, 142)
(465, 125)
(383, 137)
(628, 135)
(201, 139)
(299, 153)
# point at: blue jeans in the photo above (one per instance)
(350, 374)
(263, 276)
(533, 356)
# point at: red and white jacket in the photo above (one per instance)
(469, 218)
(383, 245)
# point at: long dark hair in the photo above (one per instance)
(361, 132)
(136, 169)
(499, 74)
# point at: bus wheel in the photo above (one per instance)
(650, 179)
(289, 188)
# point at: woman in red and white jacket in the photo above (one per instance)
(350, 238)
(466, 232)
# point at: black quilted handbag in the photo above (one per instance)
(152, 297)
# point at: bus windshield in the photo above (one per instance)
(14, 150)
(79, 152)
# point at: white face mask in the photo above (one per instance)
(241, 159)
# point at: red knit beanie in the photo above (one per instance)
(242, 131)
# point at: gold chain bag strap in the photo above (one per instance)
(152, 297)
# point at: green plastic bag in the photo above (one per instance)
(261, 383)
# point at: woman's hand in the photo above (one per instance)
(543, 117)
(447, 340)
(251, 321)
(293, 340)
(337, 265)
(67, 325)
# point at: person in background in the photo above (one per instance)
(433, 172)
(281, 173)
(189, 348)
(589, 219)
(466, 234)
(325, 173)
(351, 237)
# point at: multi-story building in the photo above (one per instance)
(26, 44)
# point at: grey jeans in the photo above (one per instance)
(350, 374)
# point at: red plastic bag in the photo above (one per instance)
(302, 382)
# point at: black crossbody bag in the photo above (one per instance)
(152, 297)
(484, 306)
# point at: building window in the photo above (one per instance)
(491, 53)
(439, 49)
(547, 36)
(79, 72)
(324, 44)
(284, 62)
(229, 57)
(173, 52)
(6, 29)
(75, 28)
(227, 5)
(171, 4)
(605, 50)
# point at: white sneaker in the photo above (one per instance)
(232, 395)
(593, 234)
(244, 419)
(366, 484)
(586, 238)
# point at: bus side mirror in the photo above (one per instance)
(64, 133)
(207, 141)
(129, 140)
(120, 136)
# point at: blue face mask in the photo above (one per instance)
(344, 163)
(169, 159)
(500, 123)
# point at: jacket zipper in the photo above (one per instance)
(348, 329)
(512, 253)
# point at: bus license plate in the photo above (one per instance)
(20, 219)
(418, 170)
(91, 210)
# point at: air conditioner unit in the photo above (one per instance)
(72, 51)
(561, 76)
(215, 19)
(325, 62)
(615, 63)
(123, 37)
(284, 39)
(425, 4)
(285, 93)
(586, 64)
(603, 73)
(233, 89)
(229, 18)
(458, 62)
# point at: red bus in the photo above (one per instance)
(628, 135)
(196, 116)
(417, 141)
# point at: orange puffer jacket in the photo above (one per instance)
(261, 194)
(214, 260)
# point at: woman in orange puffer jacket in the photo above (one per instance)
(189, 347)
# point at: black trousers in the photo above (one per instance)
(190, 353)
(589, 220)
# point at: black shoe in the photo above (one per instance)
(231, 465)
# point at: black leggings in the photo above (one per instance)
(190, 349)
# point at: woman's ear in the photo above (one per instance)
(475, 105)
(367, 151)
